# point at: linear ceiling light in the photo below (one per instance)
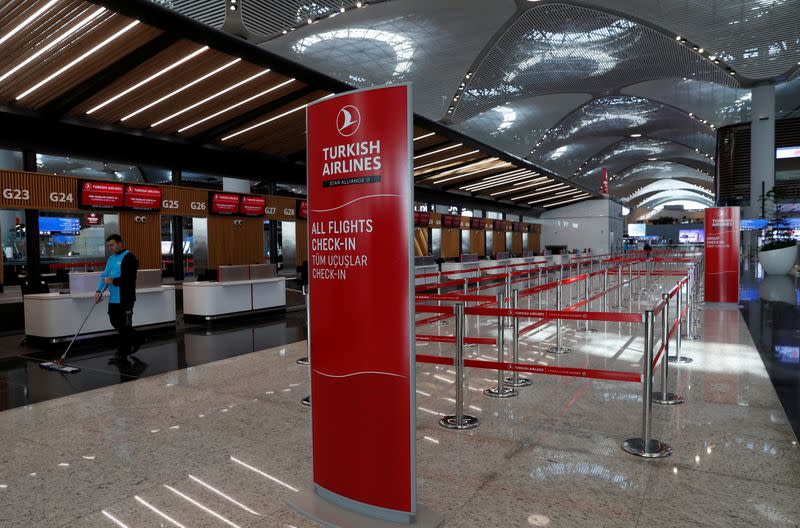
(240, 103)
(452, 174)
(270, 120)
(141, 83)
(52, 44)
(80, 59)
(471, 152)
(439, 150)
(424, 136)
(526, 184)
(27, 21)
(495, 183)
(490, 179)
(211, 97)
(181, 89)
(567, 201)
(554, 197)
(541, 190)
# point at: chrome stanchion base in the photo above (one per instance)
(682, 359)
(692, 337)
(519, 382)
(467, 422)
(655, 448)
(666, 399)
(440, 323)
(505, 392)
(471, 345)
(304, 361)
(558, 350)
(306, 401)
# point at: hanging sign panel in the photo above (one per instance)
(143, 197)
(722, 255)
(361, 313)
(101, 195)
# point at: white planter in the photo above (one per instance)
(778, 261)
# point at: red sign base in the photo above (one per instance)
(326, 513)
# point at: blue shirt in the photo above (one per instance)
(114, 271)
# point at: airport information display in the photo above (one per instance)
(101, 195)
(143, 197)
(360, 231)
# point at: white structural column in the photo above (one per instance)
(762, 147)
(236, 185)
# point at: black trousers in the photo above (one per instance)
(121, 318)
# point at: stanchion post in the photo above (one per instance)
(665, 397)
(586, 295)
(305, 360)
(441, 322)
(558, 349)
(500, 391)
(515, 380)
(678, 358)
(646, 446)
(459, 420)
(605, 290)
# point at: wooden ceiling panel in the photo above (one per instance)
(251, 134)
(423, 166)
(73, 56)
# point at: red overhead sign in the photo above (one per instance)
(253, 205)
(143, 197)
(101, 195)
(722, 255)
(360, 268)
(224, 203)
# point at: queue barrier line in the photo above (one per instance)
(611, 375)
(453, 297)
(452, 339)
(614, 317)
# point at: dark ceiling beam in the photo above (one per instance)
(105, 77)
(30, 130)
(242, 119)
(184, 27)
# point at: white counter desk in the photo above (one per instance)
(55, 317)
(214, 300)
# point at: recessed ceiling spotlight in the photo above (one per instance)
(359, 4)
(285, 31)
(733, 73)
(341, 9)
(701, 50)
(691, 114)
(309, 21)
(636, 135)
(695, 48)
(716, 62)
(712, 57)
(652, 159)
(678, 37)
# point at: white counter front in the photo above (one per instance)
(213, 299)
(471, 270)
(57, 315)
(426, 270)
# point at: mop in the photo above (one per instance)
(58, 364)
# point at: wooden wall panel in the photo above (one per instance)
(234, 240)
(451, 243)
(184, 201)
(477, 242)
(31, 190)
(141, 234)
(498, 242)
(301, 238)
(516, 243)
(421, 237)
(534, 242)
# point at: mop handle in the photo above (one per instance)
(91, 309)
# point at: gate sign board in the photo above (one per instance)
(361, 313)
(722, 255)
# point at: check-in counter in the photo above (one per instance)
(485, 264)
(214, 300)
(470, 269)
(426, 270)
(55, 317)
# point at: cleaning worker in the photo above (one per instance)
(120, 276)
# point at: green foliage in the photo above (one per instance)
(777, 244)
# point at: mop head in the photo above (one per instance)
(59, 366)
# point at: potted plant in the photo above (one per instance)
(778, 253)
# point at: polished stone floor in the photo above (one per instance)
(227, 443)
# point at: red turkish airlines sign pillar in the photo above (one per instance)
(722, 255)
(361, 319)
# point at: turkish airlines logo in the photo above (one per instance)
(348, 120)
